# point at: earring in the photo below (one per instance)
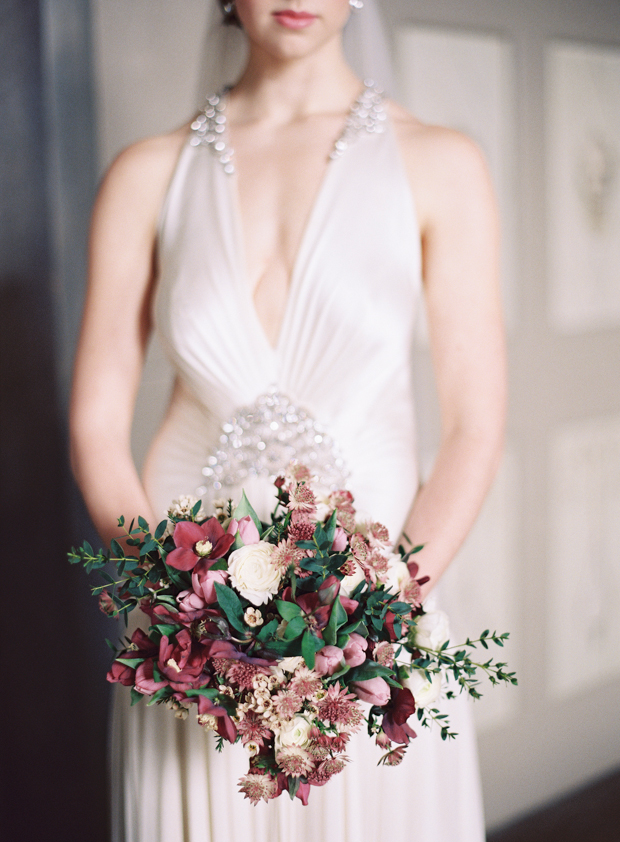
(229, 8)
(356, 4)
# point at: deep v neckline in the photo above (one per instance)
(366, 114)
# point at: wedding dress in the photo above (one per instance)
(337, 383)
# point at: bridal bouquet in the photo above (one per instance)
(277, 632)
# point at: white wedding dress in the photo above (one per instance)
(342, 364)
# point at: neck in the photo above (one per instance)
(283, 90)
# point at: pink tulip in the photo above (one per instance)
(246, 528)
(190, 601)
(340, 540)
(204, 579)
(375, 691)
(355, 650)
(328, 660)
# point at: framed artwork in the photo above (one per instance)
(583, 186)
(583, 622)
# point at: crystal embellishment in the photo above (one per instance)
(209, 129)
(367, 114)
(260, 440)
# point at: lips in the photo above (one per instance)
(294, 20)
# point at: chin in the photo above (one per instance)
(288, 33)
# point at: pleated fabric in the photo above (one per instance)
(344, 354)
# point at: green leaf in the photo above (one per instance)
(165, 629)
(357, 626)
(310, 645)
(135, 696)
(294, 628)
(400, 607)
(196, 507)
(369, 669)
(160, 694)
(209, 692)
(157, 676)
(143, 524)
(220, 564)
(161, 528)
(293, 786)
(267, 631)
(283, 648)
(337, 618)
(231, 605)
(131, 662)
(356, 592)
(149, 547)
(111, 645)
(170, 601)
(330, 527)
(288, 610)
(244, 508)
(340, 672)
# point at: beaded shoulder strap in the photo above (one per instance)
(367, 115)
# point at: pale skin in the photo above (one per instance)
(283, 117)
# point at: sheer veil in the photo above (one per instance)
(366, 47)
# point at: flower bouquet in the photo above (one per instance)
(278, 632)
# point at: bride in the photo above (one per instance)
(278, 246)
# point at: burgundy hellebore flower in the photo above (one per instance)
(401, 707)
(121, 674)
(195, 541)
(226, 728)
(143, 647)
(181, 661)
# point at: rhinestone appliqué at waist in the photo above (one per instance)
(260, 440)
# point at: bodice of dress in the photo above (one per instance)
(343, 354)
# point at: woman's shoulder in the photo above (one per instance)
(439, 145)
(136, 181)
(444, 165)
(150, 160)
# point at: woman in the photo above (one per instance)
(277, 245)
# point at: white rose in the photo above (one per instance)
(432, 630)
(293, 733)
(398, 573)
(349, 583)
(425, 692)
(252, 574)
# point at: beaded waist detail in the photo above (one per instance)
(261, 439)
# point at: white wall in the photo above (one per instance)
(542, 561)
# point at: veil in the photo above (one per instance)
(366, 47)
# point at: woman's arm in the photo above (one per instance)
(460, 258)
(115, 330)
